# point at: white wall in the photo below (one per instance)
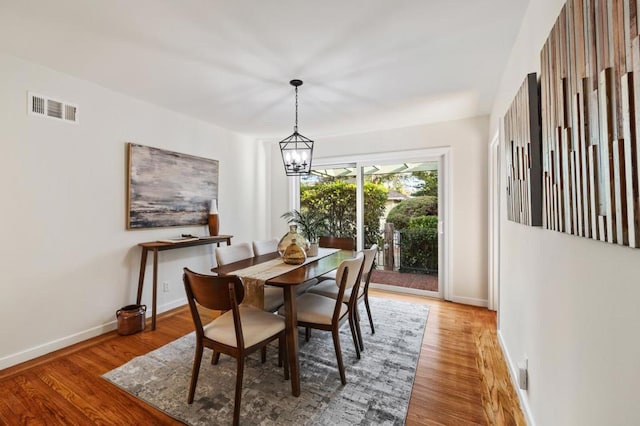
(67, 261)
(467, 139)
(568, 304)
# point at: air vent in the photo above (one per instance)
(44, 106)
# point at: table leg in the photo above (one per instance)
(291, 318)
(143, 266)
(155, 289)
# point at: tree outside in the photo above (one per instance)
(335, 199)
(415, 218)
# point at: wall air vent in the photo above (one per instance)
(44, 106)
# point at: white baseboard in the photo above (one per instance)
(397, 289)
(63, 342)
(470, 301)
(54, 345)
(404, 290)
(524, 402)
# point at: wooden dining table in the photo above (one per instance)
(288, 281)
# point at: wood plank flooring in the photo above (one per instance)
(461, 376)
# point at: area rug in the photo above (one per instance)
(377, 390)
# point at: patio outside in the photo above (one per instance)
(401, 209)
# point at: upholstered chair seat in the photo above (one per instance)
(257, 325)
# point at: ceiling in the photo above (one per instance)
(366, 64)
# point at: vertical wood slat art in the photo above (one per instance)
(522, 136)
(590, 86)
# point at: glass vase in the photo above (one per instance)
(289, 237)
(294, 254)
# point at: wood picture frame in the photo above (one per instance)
(166, 188)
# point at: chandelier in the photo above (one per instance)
(296, 149)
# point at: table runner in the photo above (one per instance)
(255, 276)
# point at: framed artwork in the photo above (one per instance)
(166, 188)
(523, 155)
(590, 89)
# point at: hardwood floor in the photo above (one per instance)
(461, 376)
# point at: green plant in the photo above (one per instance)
(419, 250)
(402, 213)
(336, 201)
(309, 222)
(424, 222)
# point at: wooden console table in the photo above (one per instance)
(155, 247)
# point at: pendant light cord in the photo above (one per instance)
(296, 126)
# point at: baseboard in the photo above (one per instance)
(54, 345)
(470, 301)
(404, 290)
(513, 373)
(63, 342)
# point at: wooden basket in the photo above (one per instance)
(131, 319)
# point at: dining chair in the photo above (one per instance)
(342, 243)
(324, 313)
(329, 288)
(238, 332)
(273, 297)
(233, 253)
(261, 247)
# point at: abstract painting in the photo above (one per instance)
(167, 188)
(590, 84)
(523, 163)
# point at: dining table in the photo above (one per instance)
(272, 271)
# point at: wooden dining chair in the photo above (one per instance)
(241, 330)
(324, 313)
(329, 288)
(233, 253)
(261, 247)
(273, 296)
(342, 243)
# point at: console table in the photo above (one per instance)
(155, 247)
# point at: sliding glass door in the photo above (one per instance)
(394, 203)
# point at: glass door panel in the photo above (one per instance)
(393, 205)
(406, 226)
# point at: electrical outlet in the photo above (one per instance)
(165, 286)
(523, 374)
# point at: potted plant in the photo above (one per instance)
(310, 223)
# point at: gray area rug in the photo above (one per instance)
(377, 390)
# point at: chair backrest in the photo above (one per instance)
(265, 247)
(352, 267)
(233, 253)
(369, 263)
(342, 243)
(219, 293)
(348, 276)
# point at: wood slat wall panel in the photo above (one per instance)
(523, 155)
(589, 88)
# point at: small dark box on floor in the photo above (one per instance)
(131, 319)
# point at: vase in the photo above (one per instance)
(312, 251)
(214, 222)
(294, 254)
(293, 234)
